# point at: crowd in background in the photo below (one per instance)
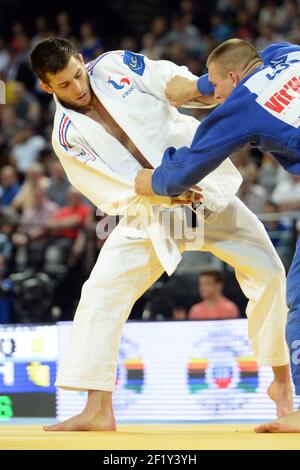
(48, 241)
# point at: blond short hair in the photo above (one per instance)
(233, 54)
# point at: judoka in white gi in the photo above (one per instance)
(106, 112)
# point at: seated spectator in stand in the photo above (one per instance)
(10, 125)
(220, 30)
(35, 176)
(184, 33)
(268, 173)
(42, 30)
(273, 14)
(287, 194)
(9, 186)
(91, 46)
(25, 104)
(279, 232)
(27, 147)
(178, 313)
(275, 228)
(9, 221)
(214, 305)
(68, 221)
(65, 26)
(67, 228)
(32, 233)
(58, 187)
(149, 47)
(5, 251)
(268, 35)
(252, 195)
(4, 55)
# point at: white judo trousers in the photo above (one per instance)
(128, 266)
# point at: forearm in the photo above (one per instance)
(181, 169)
(69, 222)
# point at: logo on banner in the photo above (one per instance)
(7, 347)
(222, 370)
(130, 373)
(130, 376)
(38, 374)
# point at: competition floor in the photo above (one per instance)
(148, 437)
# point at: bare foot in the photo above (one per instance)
(281, 394)
(290, 423)
(85, 422)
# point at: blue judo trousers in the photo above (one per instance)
(293, 321)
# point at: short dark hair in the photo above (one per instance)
(50, 56)
(216, 275)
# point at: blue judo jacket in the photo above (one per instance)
(263, 110)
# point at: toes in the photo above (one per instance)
(284, 428)
(276, 428)
(54, 427)
(262, 428)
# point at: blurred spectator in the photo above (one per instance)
(58, 186)
(64, 27)
(26, 148)
(242, 157)
(25, 104)
(130, 43)
(278, 232)
(150, 48)
(175, 52)
(91, 45)
(268, 172)
(189, 9)
(35, 176)
(46, 158)
(10, 125)
(291, 13)
(214, 305)
(245, 29)
(4, 56)
(18, 67)
(67, 229)
(273, 15)
(185, 34)
(9, 221)
(32, 232)
(5, 251)
(267, 36)
(42, 30)
(220, 30)
(158, 29)
(294, 34)
(252, 195)
(287, 194)
(178, 313)
(228, 8)
(9, 186)
(67, 221)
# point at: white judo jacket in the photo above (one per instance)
(131, 87)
